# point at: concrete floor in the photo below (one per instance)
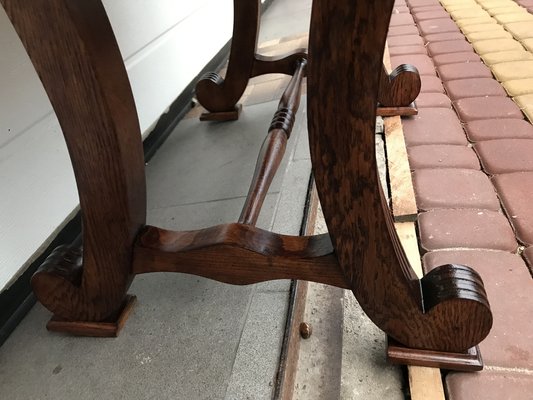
(192, 338)
(188, 337)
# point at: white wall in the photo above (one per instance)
(165, 44)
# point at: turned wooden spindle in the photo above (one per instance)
(273, 147)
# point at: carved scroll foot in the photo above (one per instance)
(110, 327)
(64, 269)
(398, 91)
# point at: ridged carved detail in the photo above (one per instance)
(341, 119)
(213, 77)
(274, 145)
(283, 119)
(64, 261)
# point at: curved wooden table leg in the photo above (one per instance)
(220, 96)
(74, 51)
(447, 310)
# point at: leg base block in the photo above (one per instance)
(411, 109)
(468, 361)
(222, 115)
(108, 328)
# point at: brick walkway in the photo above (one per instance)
(471, 152)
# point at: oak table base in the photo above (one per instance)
(75, 53)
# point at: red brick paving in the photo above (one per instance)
(433, 100)
(442, 156)
(454, 188)
(403, 50)
(515, 193)
(473, 87)
(490, 385)
(473, 229)
(450, 72)
(456, 58)
(490, 129)
(422, 62)
(431, 84)
(473, 108)
(502, 156)
(445, 166)
(449, 46)
(441, 37)
(439, 25)
(433, 126)
(404, 40)
(510, 341)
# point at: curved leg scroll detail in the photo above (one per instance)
(447, 310)
(81, 68)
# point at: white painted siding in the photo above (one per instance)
(165, 43)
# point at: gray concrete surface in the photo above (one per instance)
(345, 358)
(192, 338)
(188, 338)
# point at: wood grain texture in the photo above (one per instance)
(409, 240)
(289, 365)
(238, 254)
(399, 88)
(425, 383)
(343, 41)
(402, 192)
(74, 51)
(72, 46)
(274, 145)
(468, 361)
(220, 95)
(406, 111)
(110, 327)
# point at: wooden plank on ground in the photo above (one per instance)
(289, 358)
(424, 383)
(407, 233)
(401, 185)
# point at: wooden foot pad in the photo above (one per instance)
(223, 115)
(467, 361)
(394, 111)
(109, 328)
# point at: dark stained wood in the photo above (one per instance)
(220, 95)
(409, 110)
(288, 362)
(274, 146)
(74, 51)
(110, 327)
(399, 88)
(237, 254)
(469, 360)
(222, 115)
(278, 65)
(344, 39)
(72, 47)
